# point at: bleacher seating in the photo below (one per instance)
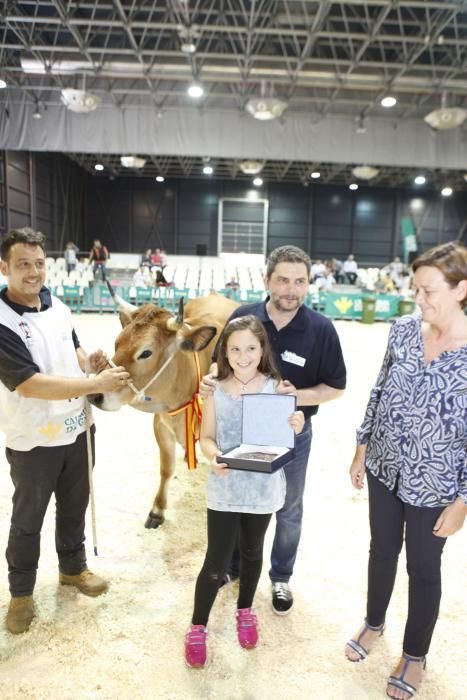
(188, 276)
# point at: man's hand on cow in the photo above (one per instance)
(286, 387)
(97, 361)
(111, 379)
(219, 468)
(207, 385)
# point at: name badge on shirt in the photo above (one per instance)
(294, 359)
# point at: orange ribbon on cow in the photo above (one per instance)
(193, 414)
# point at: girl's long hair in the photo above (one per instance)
(267, 365)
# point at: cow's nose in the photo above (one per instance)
(96, 399)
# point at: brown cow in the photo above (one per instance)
(149, 337)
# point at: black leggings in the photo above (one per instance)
(388, 514)
(223, 530)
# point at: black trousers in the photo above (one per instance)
(388, 516)
(36, 475)
(223, 530)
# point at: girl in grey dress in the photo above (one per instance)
(240, 503)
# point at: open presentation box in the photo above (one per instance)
(268, 441)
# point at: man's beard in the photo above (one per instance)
(277, 303)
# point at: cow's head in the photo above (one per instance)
(150, 336)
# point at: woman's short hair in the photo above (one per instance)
(450, 259)
(251, 323)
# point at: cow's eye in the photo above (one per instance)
(145, 354)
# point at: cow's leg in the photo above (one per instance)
(166, 441)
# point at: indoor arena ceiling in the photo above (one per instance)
(323, 66)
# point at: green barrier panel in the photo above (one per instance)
(350, 305)
(406, 306)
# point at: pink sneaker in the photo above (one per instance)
(247, 630)
(195, 646)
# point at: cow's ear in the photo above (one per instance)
(196, 339)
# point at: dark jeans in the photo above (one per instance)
(223, 530)
(101, 267)
(289, 517)
(36, 475)
(388, 516)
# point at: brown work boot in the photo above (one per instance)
(86, 582)
(20, 614)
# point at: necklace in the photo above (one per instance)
(244, 384)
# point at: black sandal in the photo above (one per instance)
(399, 682)
(355, 645)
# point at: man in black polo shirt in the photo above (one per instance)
(42, 413)
(309, 358)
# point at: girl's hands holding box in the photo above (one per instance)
(297, 421)
(219, 468)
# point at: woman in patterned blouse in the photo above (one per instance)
(412, 446)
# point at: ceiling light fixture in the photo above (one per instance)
(257, 182)
(353, 186)
(160, 178)
(315, 175)
(187, 36)
(2, 84)
(99, 167)
(208, 170)
(265, 108)
(446, 118)
(79, 101)
(420, 180)
(132, 162)
(37, 114)
(388, 101)
(446, 191)
(195, 90)
(365, 172)
(251, 167)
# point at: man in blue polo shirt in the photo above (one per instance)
(309, 358)
(43, 416)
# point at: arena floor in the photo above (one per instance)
(128, 644)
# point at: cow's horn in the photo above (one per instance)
(121, 303)
(174, 324)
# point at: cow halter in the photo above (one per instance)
(140, 394)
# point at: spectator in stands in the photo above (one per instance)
(70, 256)
(350, 269)
(384, 284)
(337, 270)
(161, 280)
(317, 270)
(156, 258)
(233, 284)
(139, 278)
(163, 256)
(146, 258)
(326, 282)
(396, 271)
(99, 256)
